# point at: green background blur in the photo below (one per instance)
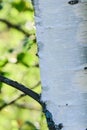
(19, 61)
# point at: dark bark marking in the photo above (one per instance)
(72, 2)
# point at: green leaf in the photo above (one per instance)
(1, 4)
(21, 5)
(1, 7)
(26, 59)
(26, 44)
(28, 126)
(3, 62)
(3, 74)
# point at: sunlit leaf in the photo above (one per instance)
(4, 74)
(3, 62)
(26, 59)
(21, 5)
(29, 126)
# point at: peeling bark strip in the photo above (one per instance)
(49, 118)
(62, 40)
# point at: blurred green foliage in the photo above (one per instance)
(18, 61)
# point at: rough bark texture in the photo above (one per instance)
(62, 40)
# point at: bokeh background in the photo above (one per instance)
(19, 61)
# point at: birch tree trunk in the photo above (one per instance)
(62, 39)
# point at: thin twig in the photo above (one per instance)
(11, 102)
(17, 27)
(26, 106)
(21, 87)
(36, 85)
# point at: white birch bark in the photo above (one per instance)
(62, 39)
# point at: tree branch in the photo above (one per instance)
(21, 87)
(17, 27)
(35, 96)
(19, 97)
